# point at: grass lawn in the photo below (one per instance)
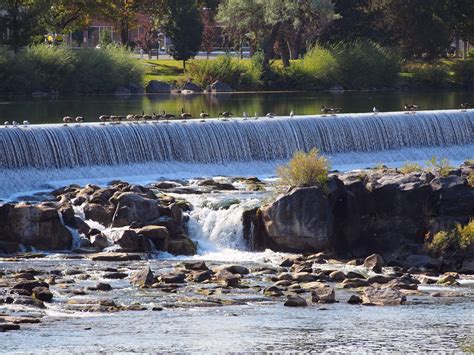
(164, 70)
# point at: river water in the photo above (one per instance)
(302, 103)
(425, 323)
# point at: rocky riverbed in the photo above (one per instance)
(131, 253)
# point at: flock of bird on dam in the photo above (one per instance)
(223, 116)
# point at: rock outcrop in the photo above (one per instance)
(363, 212)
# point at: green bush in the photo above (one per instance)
(305, 169)
(226, 69)
(425, 74)
(408, 168)
(457, 240)
(464, 73)
(440, 167)
(357, 65)
(44, 68)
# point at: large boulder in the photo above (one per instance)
(158, 235)
(189, 85)
(182, 245)
(133, 207)
(143, 277)
(157, 87)
(299, 221)
(37, 226)
(382, 296)
(374, 263)
(130, 241)
(219, 86)
(98, 213)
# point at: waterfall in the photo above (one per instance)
(217, 142)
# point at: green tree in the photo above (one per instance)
(21, 19)
(461, 21)
(266, 23)
(184, 28)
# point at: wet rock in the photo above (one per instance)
(295, 301)
(227, 278)
(235, 269)
(448, 279)
(98, 213)
(354, 299)
(447, 294)
(380, 279)
(195, 265)
(300, 220)
(99, 241)
(374, 263)
(30, 285)
(190, 86)
(272, 291)
(102, 286)
(143, 278)
(426, 280)
(130, 241)
(42, 294)
(423, 261)
(354, 283)
(157, 234)
(202, 276)
(5, 327)
(173, 278)
(114, 257)
(401, 284)
(24, 275)
(182, 246)
(38, 226)
(467, 267)
(304, 277)
(382, 297)
(354, 275)
(337, 276)
(323, 294)
(283, 283)
(131, 206)
(219, 86)
(115, 275)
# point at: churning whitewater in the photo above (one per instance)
(35, 156)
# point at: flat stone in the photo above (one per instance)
(295, 301)
(323, 294)
(114, 257)
(382, 296)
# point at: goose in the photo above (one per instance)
(185, 115)
(226, 114)
(6, 123)
(79, 119)
(245, 115)
(15, 123)
(411, 108)
(325, 110)
(146, 117)
(26, 123)
(375, 111)
(155, 117)
(292, 113)
(67, 119)
(255, 117)
(167, 116)
(104, 118)
(465, 106)
(270, 115)
(204, 114)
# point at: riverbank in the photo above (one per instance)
(118, 269)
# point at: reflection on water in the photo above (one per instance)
(51, 110)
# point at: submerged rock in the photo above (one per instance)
(295, 301)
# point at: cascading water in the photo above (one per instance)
(34, 156)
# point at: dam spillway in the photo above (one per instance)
(236, 140)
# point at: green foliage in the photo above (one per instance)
(184, 28)
(45, 68)
(224, 68)
(457, 240)
(105, 38)
(357, 65)
(464, 73)
(470, 178)
(426, 74)
(409, 168)
(440, 167)
(305, 169)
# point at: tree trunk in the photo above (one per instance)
(124, 32)
(268, 46)
(466, 48)
(184, 64)
(283, 51)
(458, 49)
